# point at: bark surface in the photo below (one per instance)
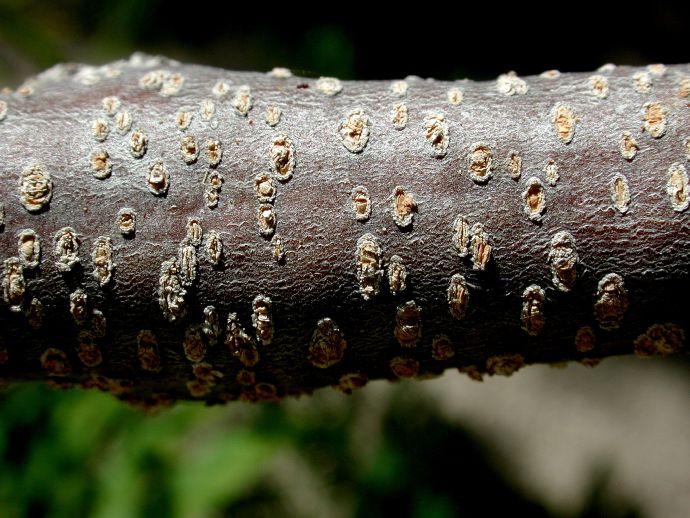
(587, 228)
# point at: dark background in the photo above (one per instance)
(579, 442)
(357, 40)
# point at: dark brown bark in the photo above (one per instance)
(615, 229)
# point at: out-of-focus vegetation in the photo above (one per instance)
(386, 451)
(383, 452)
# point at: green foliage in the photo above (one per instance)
(76, 453)
(86, 454)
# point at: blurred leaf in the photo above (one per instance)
(213, 474)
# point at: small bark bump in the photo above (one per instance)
(214, 152)
(35, 188)
(510, 84)
(361, 203)
(514, 163)
(273, 115)
(262, 319)
(628, 146)
(147, 351)
(221, 88)
(242, 100)
(138, 144)
(188, 263)
(399, 88)
(532, 315)
(67, 244)
(98, 324)
(34, 314)
(211, 325)
(101, 166)
(127, 221)
(654, 119)
(397, 275)
(611, 301)
(550, 74)
(193, 345)
(458, 296)
(189, 149)
(172, 84)
(267, 219)
(329, 86)
(354, 131)
(403, 367)
(454, 96)
(551, 172)
(55, 362)
(265, 188)
(442, 348)
(642, 82)
(480, 247)
(123, 122)
(534, 199)
(29, 248)
(399, 116)
(563, 260)
(195, 231)
(505, 365)
(598, 86)
(183, 118)
(347, 383)
(656, 69)
(110, 105)
(677, 187)
(282, 158)
(88, 352)
(240, 344)
(620, 193)
(100, 129)
(158, 179)
(684, 88)
(214, 248)
(585, 339)
(408, 324)
(13, 284)
(278, 249)
(660, 340)
(564, 121)
(461, 235)
(171, 294)
(404, 207)
(436, 134)
(327, 344)
(480, 163)
(78, 306)
(214, 184)
(369, 266)
(102, 257)
(207, 109)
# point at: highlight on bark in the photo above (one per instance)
(184, 232)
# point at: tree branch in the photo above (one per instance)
(176, 231)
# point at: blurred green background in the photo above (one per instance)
(610, 441)
(576, 442)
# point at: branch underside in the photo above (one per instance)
(181, 232)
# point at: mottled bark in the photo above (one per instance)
(369, 229)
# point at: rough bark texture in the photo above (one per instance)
(615, 228)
